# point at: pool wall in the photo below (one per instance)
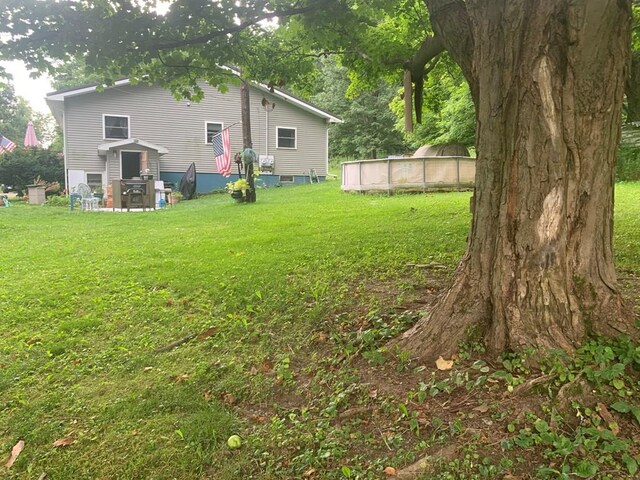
(414, 174)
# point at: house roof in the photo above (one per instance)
(104, 148)
(56, 99)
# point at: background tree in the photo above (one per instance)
(369, 128)
(547, 80)
(15, 113)
(448, 114)
(24, 165)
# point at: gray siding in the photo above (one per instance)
(156, 117)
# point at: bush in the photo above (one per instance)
(22, 166)
(628, 163)
(58, 201)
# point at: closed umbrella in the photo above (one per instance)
(30, 139)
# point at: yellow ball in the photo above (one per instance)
(234, 441)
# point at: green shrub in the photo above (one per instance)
(24, 165)
(58, 201)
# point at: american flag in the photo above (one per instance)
(6, 145)
(222, 152)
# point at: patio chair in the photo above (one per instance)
(87, 200)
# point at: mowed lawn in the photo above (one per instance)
(100, 373)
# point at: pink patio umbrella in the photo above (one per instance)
(30, 139)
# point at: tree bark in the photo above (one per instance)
(548, 78)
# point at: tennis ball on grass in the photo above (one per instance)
(234, 441)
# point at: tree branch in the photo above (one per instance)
(451, 23)
(241, 26)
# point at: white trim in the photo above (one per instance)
(64, 150)
(104, 148)
(60, 96)
(206, 131)
(103, 175)
(295, 129)
(105, 115)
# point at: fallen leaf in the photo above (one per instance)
(229, 399)
(391, 472)
(146, 369)
(442, 364)
(484, 408)
(182, 378)
(207, 395)
(207, 333)
(253, 371)
(64, 442)
(321, 337)
(309, 473)
(15, 451)
(607, 417)
(31, 341)
(266, 367)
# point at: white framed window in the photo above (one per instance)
(287, 137)
(94, 180)
(211, 129)
(116, 126)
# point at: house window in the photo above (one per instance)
(211, 130)
(94, 180)
(287, 137)
(286, 178)
(116, 126)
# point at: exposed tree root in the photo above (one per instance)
(425, 464)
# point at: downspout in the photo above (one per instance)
(64, 148)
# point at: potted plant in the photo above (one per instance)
(175, 197)
(239, 189)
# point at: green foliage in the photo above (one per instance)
(22, 166)
(15, 114)
(58, 201)
(448, 113)
(369, 129)
(628, 162)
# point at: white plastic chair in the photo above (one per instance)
(88, 201)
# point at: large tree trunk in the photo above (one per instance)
(548, 81)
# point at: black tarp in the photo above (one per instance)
(188, 183)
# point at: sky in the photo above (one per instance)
(32, 90)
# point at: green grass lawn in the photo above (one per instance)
(90, 304)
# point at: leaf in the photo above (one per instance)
(309, 473)
(636, 413)
(207, 395)
(391, 472)
(229, 399)
(585, 469)
(64, 442)
(631, 463)
(484, 408)
(607, 417)
(442, 364)
(207, 333)
(182, 378)
(15, 451)
(620, 406)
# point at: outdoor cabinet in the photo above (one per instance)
(122, 199)
(36, 194)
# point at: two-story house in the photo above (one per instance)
(107, 133)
